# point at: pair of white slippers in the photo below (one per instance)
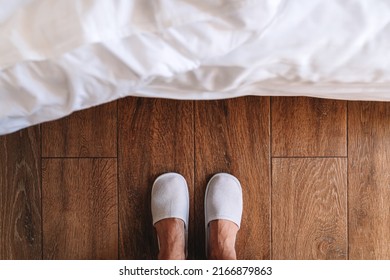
(223, 200)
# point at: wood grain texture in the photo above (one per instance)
(20, 195)
(369, 180)
(155, 137)
(308, 127)
(233, 136)
(309, 208)
(80, 218)
(87, 133)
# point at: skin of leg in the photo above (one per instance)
(222, 239)
(171, 235)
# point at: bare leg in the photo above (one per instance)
(222, 239)
(172, 239)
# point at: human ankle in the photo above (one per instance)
(222, 253)
(222, 240)
(172, 247)
(172, 239)
(171, 254)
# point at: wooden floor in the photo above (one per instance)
(315, 175)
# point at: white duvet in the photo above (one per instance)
(59, 56)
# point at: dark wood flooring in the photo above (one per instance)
(315, 175)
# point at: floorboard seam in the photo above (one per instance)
(81, 157)
(292, 157)
(347, 127)
(117, 173)
(41, 186)
(193, 174)
(270, 172)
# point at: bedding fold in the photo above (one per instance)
(57, 57)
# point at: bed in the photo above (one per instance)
(57, 57)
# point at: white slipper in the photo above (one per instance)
(223, 201)
(170, 199)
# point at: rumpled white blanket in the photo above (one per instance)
(59, 56)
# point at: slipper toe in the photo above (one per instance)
(170, 198)
(223, 199)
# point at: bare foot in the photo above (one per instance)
(222, 239)
(172, 239)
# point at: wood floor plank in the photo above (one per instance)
(86, 133)
(309, 127)
(155, 136)
(80, 218)
(369, 180)
(20, 195)
(309, 208)
(233, 136)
